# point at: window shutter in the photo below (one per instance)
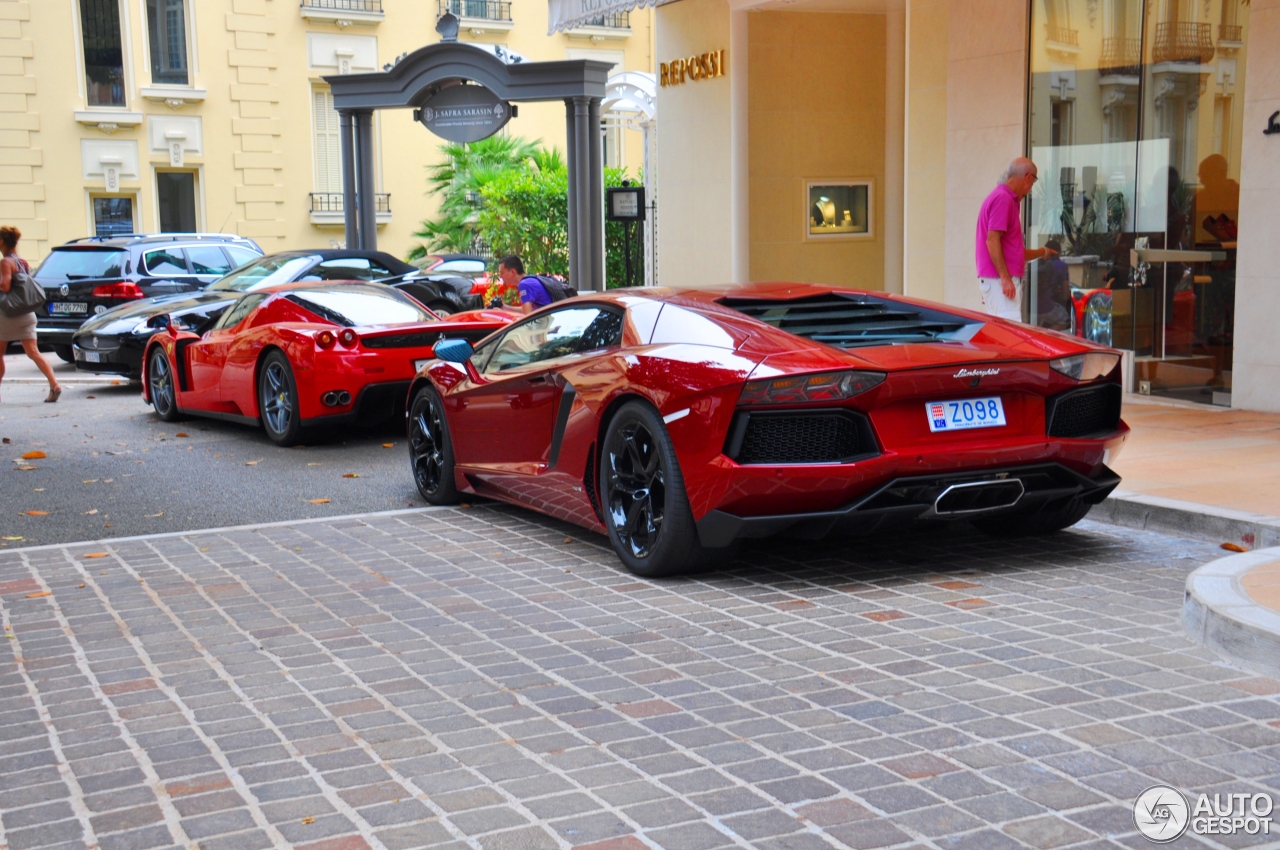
(328, 150)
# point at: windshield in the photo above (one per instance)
(81, 263)
(265, 272)
(361, 305)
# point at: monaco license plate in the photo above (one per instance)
(88, 356)
(67, 308)
(965, 413)
(418, 364)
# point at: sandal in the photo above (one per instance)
(53, 395)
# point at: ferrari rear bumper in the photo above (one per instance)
(951, 496)
(373, 404)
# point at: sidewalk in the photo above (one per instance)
(1213, 474)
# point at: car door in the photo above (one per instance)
(207, 357)
(508, 416)
(165, 271)
(208, 263)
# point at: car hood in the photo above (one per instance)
(128, 316)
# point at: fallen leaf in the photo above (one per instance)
(107, 480)
(182, 434)
(98, 555)
(251, 463)
(350, 475)
(106, 525)
(10, 538)
(80, 585)
(299, 447)
(319, 501)
(315, 464)
(91, 481)
(36, 513)
(10, 637)
(34, 455)
(5, 439)
(308, 820)
(26, 467)
(568, 540)
(91, 396)
(91, 513)
(41, 593)
(384, 445)
(153, 516)
(463, 505)
(115, 383)
(1232, 547)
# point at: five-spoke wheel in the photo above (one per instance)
(430, 449)
(278, 400)
(160, 384)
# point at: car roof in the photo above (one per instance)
(394, 264)
(128, 240)
(315, 285)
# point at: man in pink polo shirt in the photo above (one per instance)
(1000, 253)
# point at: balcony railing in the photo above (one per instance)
(617, 20)
(1229, 32)
(489, 10)
(370, 6)
(1183, 41)
(1062, 35)
(1121, 57)
(331, 202)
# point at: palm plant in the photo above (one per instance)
(458, 180)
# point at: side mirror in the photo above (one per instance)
(454, 350)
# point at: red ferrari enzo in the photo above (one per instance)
(679, 422)
(301, 355)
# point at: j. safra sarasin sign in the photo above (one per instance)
(694, 68)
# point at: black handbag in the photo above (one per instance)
(24, 295)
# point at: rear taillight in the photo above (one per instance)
(348, 338)
(122, 290)
(325, 339)
(479, 286)
(802, 389)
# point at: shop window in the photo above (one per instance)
(176, 192)
(838, 209)
(112, 216)
(103, 55)
(167, 37)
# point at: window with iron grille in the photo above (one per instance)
(103, 54)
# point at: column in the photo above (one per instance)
(596, 189)
(739, 161)
(367, 200)
(351, 223)
(571, 152)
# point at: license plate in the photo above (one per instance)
(64, 308)
(965, 413)
(88, 356)
(418, 364)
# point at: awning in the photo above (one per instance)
(568, 14)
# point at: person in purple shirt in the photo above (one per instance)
(999, 251)
(532, 293)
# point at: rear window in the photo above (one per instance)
(360, 305)
(81, 263)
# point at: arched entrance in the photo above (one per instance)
(631, 99)
(420, 75)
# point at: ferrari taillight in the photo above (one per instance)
(122, 290)
(348, 338)
(802, 389)
(325, 339)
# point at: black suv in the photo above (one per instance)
(89, 276)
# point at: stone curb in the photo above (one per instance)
(1217, 612)
(1188, 519)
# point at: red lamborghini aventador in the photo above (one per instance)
(678, 422)
(299, 355)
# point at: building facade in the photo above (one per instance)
(852, 142)
(212, 115)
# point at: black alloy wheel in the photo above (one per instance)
(431, 449)
(278, 400)
(646, 510)
(443, 309)
(160, 383)
(65, 354)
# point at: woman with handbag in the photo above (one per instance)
(20, 328)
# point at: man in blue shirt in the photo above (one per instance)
(532, 293)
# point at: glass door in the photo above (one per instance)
(1134, 121)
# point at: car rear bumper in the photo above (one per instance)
(116, 360)
(374, 403)
(937, 497)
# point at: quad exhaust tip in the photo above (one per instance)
(977, 497)
(336, 398)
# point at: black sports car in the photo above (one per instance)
(446, 283)
(114, 341)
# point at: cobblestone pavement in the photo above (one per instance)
(484, 678)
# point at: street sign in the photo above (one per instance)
(464, 113)
(625, 204)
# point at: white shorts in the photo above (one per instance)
(995, 302)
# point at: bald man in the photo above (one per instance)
(999, 251)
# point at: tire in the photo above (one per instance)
(431, 449)
(65, 354)
(442, 308)
(164, 397)
(278, 400)
(1034, 525)
(642, 494)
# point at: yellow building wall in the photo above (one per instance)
(817, 112)
(256, 168)
(694, 239)
(924, 261)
